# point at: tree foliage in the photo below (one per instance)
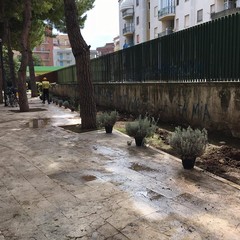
(57, 18)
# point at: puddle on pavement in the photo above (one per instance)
(149, 194)
(88, 178)
(138, 168)
(39, 122)
(73, 178)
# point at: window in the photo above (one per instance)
(212, 8)
(177, 24)
(199, 15)
(137, 2)
(186, 21)
(177, 2)
(149, 25)
(137, 20)
(138, 39)
(156, 11)
(155, 32)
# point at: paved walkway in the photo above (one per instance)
(56, 184)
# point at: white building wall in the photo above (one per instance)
(63, 57)
(123, 22)
(155, 24)
(191, 7)
(146, 16)
(141, 28)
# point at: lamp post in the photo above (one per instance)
(3, 75)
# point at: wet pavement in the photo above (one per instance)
(56, 184)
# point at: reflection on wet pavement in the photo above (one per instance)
(39, 122)
(149, 194)
(137, 167)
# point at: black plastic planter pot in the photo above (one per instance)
(108, 129)
(188, 163)
(139, 141)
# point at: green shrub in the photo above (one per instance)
(107, 118)
(189, 142)
(141, 127)
(66, 104)
(60, 103)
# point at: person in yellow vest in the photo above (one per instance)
(45, 89)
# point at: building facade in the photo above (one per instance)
(144, 20)
(108, 48)
(45, 50)
(63, 57)
(56, 51)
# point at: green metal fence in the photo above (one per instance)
(67, 75)
(207, 52)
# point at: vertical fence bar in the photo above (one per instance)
(220, 50)
(224, 50)
(210, 51)
(232, 45)
(178, 56)
(214, 46)
(237, 51)
(228, 59)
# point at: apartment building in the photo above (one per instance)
(144, 20)
(62, 52)
(57, 51)
(189, 13)
(108, 48)
(45, 50)
(63, 57)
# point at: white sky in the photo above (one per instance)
(102, 24)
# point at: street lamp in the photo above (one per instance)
(3, 75)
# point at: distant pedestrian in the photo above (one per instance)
(45, 89)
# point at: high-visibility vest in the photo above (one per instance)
(45, 84)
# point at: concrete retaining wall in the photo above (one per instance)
(215, 106)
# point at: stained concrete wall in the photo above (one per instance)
(215, 106)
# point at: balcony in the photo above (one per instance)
(166, 32)
(127, 13)
(128, 30)
(224, 13)
(166, 13)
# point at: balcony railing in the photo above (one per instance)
(169, 10)
(166, 32)
(224, 13)
(127, 13)
(128, 30)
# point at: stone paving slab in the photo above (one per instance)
(57, 184)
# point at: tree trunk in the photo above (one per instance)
(1, 84)
(10, 57)
(22, 90)
(81, 52)
(1, 67)
(33, 85)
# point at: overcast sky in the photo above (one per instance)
(102, 24)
